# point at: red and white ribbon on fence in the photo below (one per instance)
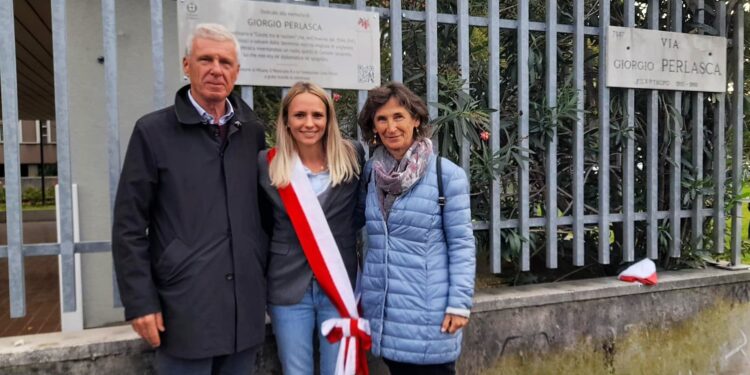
(317, 242)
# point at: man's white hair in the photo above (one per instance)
(212, 31)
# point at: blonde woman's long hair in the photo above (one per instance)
(340, 153)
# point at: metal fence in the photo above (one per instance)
(16, 250)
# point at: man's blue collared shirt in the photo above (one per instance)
(207, 117)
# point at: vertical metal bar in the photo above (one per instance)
(675, 178)
(604, 16)
(551, 167)
(64, 180)
(157, 52)
(11, 152)
(697, 153)
(71, 320)
(652, 153)
(523, 129)
(493, 31)
(110, 81)
(463, 66)
(397, 54)
(578, 165)
(361, 99)
(720, 154)
(361, 94)
(247, 95)
(628, 161)
(432, 61)
(738, 44)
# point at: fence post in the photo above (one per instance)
(675, 177)
(604, 16)
(738, 44)
(578, 153)
(652, 153)
(113, 139)
(493, 31)
(697, 155)
(463, 66)
(628, 161)
(11, 150)
(523, 130)
(397, 58)
(551, 167)
(431, 27)
(157, 53)
(720, 162)
(71, 320)
(64, 199)
(361, 94)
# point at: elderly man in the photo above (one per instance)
(187, 241)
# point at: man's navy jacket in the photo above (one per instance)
(187, 238)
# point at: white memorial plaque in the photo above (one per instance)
(285, 43)
(652, 59)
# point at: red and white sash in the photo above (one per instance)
(323, 255)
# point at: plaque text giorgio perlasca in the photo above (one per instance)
(651, 59)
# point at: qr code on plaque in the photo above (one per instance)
(365, 74)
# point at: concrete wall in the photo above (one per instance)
(88, 122)
(693, 322)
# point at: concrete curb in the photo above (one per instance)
(591, 289)
(69, 346)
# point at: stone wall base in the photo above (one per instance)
(695, 321)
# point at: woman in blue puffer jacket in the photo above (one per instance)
(418, 278)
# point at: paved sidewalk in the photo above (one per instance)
(42, 298)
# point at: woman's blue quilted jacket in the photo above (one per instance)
(419, 266)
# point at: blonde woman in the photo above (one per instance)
(310, 156)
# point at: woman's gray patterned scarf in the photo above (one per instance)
(393, 177)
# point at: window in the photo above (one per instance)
(49, 132)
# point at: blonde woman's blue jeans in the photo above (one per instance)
(296, 326)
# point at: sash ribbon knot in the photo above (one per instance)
(352, 357)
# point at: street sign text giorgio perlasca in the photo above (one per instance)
(652, 59)
(285, 43)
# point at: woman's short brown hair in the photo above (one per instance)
(377, 98)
